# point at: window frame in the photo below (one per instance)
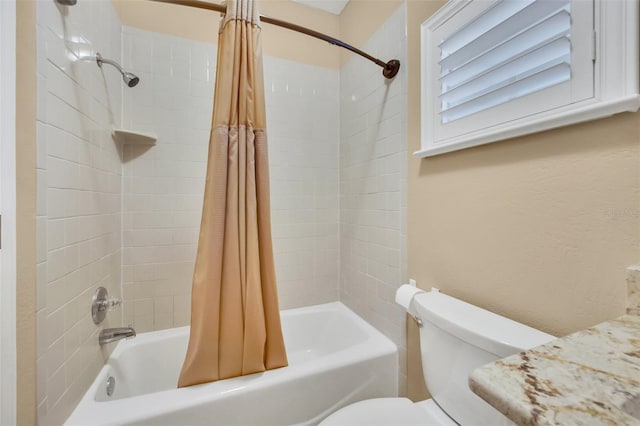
(615, 44)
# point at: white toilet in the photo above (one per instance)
(455, 338)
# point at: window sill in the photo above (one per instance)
(571, 114)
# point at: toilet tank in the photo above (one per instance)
(456, 338)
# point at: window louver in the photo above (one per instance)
(513, 49)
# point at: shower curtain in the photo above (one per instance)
(235, 318)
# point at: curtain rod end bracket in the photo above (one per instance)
(391, 68)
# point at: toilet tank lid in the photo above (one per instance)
(484, 329)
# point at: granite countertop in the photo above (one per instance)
(589, 377)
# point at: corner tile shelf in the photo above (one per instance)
(134, 136)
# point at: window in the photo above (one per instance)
(495, 69)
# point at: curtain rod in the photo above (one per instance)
(389, 69)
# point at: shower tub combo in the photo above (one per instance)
(335, 359)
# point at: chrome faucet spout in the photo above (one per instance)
(109, 335)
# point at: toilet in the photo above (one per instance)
(455, 338)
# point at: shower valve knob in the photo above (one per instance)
(109, 304)
(102, 304)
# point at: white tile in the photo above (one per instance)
(76, 110)
(55, 357)
(372, 167)
(54, 327)
(64, 116)
(140, 49)
(64, 87)
(41, 98)
(55, 234)
(41, 145)
(41, 239)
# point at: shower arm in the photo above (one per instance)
(129, 78)
(389, 69)
(100, 60)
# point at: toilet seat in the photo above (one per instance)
(388, 412)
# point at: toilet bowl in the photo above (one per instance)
(455, 338)
(390, 411)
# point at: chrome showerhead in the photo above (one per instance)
(128, 77)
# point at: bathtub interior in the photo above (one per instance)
(313, 334)
(145, 365)
(151, 362)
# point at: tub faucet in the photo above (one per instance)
(109, 335)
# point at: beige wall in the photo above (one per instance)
(538, 228)
(357, 22)
(202, 25)
(26, 212)
(360, 19)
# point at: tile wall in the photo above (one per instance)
(373, 154)
(78, 196)
(303, 115)
(163, 184)
(127, 216)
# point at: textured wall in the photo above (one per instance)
(539, 228)
(202, 25)
(163, 184)
(26, 213)
(78, 196)
(372, 181)
(356, 31)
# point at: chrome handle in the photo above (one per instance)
(102, 304)
(417, 320)
(109, 304)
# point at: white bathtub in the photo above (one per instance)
(335, 358)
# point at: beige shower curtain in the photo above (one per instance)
(235, 318)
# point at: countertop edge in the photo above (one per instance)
(484, 388)
(587, 377)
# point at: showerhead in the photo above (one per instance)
(129, 78)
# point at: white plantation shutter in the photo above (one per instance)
(496, 69)
(493, 64)
(513, 49)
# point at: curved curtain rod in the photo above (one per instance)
(389, 69)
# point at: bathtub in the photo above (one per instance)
(335, 359)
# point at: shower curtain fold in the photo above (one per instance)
(235, 317)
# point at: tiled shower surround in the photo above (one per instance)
(127, 216)
(373, 153)
(163, 183)
(78, 197)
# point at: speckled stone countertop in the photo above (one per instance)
(590, 377)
